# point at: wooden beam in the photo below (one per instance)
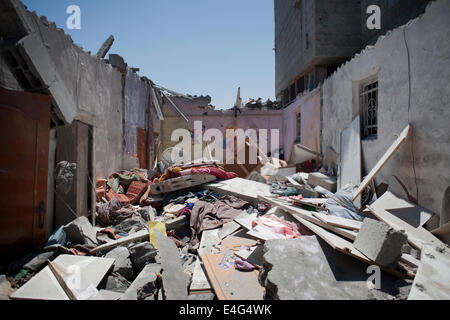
(384, 159)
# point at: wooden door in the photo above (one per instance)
(24, 143)
(142, 148)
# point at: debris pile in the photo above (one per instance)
(196, 231)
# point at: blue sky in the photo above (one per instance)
(190, 46)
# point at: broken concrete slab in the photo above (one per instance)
(173, 277)
(209, 296)
(122, 264)
(432, 281)
(379, 242)
(81, 231)
(306, 268)
(107, 295)
(142, 253)
(319, 179)
(44, 286)
(38, 57)
(117, 283)
(145, 285)
(242, 188)
(40, 261)
(256, 176)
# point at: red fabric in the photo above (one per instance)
(101, 193)
(124, 200)
(217, 172)
(136, 190)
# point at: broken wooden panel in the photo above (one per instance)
(25, 127)
(229, 283)
(142, 148)
(74, 145)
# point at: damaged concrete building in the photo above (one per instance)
(357, 180)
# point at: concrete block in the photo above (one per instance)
(117, 283)
(307, 268)
(318, 179)
(40, 261)
(145, 285)
(174, 280)
(142, 253)
(122, 264)
(135, 223)
(80, 231)
(379, 242)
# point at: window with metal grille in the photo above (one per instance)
(369, 108)
(298, 138)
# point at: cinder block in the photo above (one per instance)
(379, 242)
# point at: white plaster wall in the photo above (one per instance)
(429, 115)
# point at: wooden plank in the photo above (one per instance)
(307, 215)
(409, 259)
(229, 283)
(338, 221)
(417, 237)
(432, 281)
(384, 159)
(142, 148)
(350, 157)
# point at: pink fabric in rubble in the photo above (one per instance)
(279, 226)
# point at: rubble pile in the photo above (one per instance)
(195, 231)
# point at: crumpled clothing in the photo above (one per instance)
(119, 181)
(112, 213)
(279, 226)
(186, 211)
(341, 204)
(208, 216)
(113, 233)
(211, 170)
(136, 190)
(243, 265)
(278, 188)
(181, 196)
(174, 172)
(64, 174)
